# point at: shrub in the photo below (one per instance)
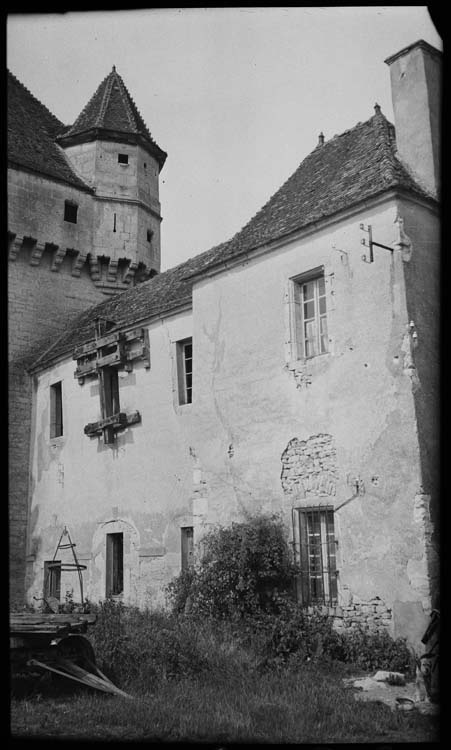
(291, 636)
(374, 651)
(244, 568)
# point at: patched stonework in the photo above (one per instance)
(309, 467)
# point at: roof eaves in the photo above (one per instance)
(76, 182)
(61, 353)
(314, 224)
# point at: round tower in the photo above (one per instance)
(112, 150)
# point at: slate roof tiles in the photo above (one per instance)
(351, 167)
(161, 294)
(359, 164)
(32, 130)
(111, 108)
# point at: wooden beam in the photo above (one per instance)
(82, 351)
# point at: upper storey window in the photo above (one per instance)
(309, 316)
(70, 212)
(185, 370)
(122, 158)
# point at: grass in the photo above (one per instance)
(309, 706)
(203, 680)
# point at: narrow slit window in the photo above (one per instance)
(114, 222)
(70, 212)
(149, 235)
(122, 158)
(185, 370)
(114, 564)
(187, 539)
(317, 556)
(56, 410)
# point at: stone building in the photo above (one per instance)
(290, 369)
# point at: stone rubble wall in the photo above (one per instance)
(373, 615)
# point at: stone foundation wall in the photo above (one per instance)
(373, 615)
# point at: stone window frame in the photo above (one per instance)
(326, 573)
(114, 564)
(56, 426)
(70, 212)
(187, 547)
(296, 335)
(122, 159)
(131, 546)
(184, 391)
(52, 579)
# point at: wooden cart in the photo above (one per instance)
(56, 643)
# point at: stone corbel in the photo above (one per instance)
(94, 268)
(112, 270)
(403, 242)
(78, 263)
(130, 272)
(36, 253)
(15, 246)
(58, 257)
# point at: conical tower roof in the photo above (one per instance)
(111, 113)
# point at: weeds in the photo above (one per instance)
(309, 706)
(235, 659)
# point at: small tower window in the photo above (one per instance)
(70, 212)
(122, 158)
(114, 222)
(149, 235)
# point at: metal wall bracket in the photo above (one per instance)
(370, 244)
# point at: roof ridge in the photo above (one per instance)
(381, 125)
(35, 98)
(85, 108)
(126, 100)
(105, 98)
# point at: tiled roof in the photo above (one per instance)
(111, 108)
(357, 165)
(159, 295)
(350, 168)
(32, 129)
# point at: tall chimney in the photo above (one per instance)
(416, 94)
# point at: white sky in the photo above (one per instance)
(236, 96)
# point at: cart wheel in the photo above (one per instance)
(78, 649)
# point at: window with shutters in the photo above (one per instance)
(315, 547)
(309, 335)
(56, 410)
